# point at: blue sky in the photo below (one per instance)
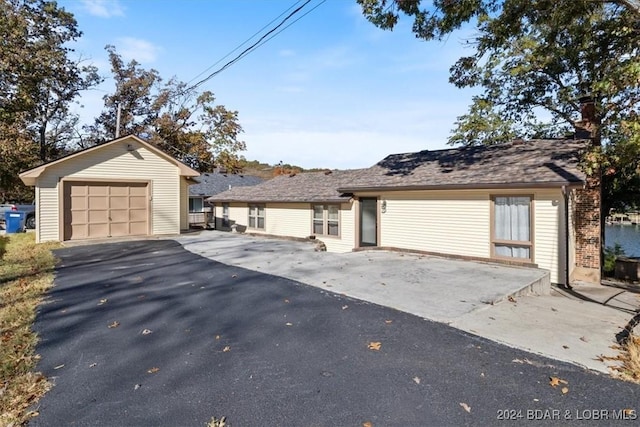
(332, 90)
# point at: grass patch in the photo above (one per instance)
(26, 272)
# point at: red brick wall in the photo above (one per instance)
(587, 224)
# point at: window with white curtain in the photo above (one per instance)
(512, 236)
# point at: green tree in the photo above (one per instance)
(39, 81)
(187, 124)
(535, 59)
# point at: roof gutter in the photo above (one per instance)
(474, 186)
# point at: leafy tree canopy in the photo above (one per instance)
(38, 83)
(533, 61)
(186, 124)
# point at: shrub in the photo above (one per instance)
(611, 254)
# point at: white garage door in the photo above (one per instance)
(95, 210)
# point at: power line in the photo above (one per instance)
(274, 35)
(249, 49)
(246, 41)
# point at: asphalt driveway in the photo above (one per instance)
(192, 338)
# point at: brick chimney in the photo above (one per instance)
(587, 206)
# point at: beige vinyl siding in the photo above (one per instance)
(286, 219)
(238, 214)
(454, 223)
(184, 203)
(346, 241)
(115, 162)
(48, 219)
(549, 233)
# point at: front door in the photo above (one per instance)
(368, 221)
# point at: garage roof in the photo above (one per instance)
(30, 176)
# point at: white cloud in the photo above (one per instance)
(142, 51)
(103, 8)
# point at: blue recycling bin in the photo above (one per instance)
(14, 221)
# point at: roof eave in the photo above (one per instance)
(473, 186)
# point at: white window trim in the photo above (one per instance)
(256, 216)
(325, 220)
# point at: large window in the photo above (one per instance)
(512, 235)
(326, 220)
(256, 216)
(195, 204)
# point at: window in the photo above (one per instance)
(225, 214)
(195, 204)
(256, 216)
(512, 227)
(326, 220)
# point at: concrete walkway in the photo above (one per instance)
(430, 287)
(577, 327)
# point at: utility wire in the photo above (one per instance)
(247, 40)
(249, 49)
(299, 18)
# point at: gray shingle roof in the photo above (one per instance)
(302, 187)
(523, 163)
(519, 163)
(216, 182)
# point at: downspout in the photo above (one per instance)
(565, 194)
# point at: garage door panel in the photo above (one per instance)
(119, 202)
(103, 209)
(98, 202)
(119, 190)
(138, 202)
(119, 215)
(137, 228)
(79, 203)
(98, 189)
(137, 215)
(101, 216)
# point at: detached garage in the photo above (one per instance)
(124, 187)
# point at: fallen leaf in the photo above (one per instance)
(383, 284)
(511, 299)
(137, 386)
(146, 331)
(93, 365)
(103, 301)
(555, 381)
(374, 345)
(416, 380)
(367, 424)
(115, 324)
(584, 339)
(388, 321)
(59, 366)
(289, 324)
(344, 307)
(565, 347)
(553, 309)
(492, 318)
(153, 370)
(565, 390)
(628, 411)
(465, 407)
(226, 349)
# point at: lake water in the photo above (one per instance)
(628, 236)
